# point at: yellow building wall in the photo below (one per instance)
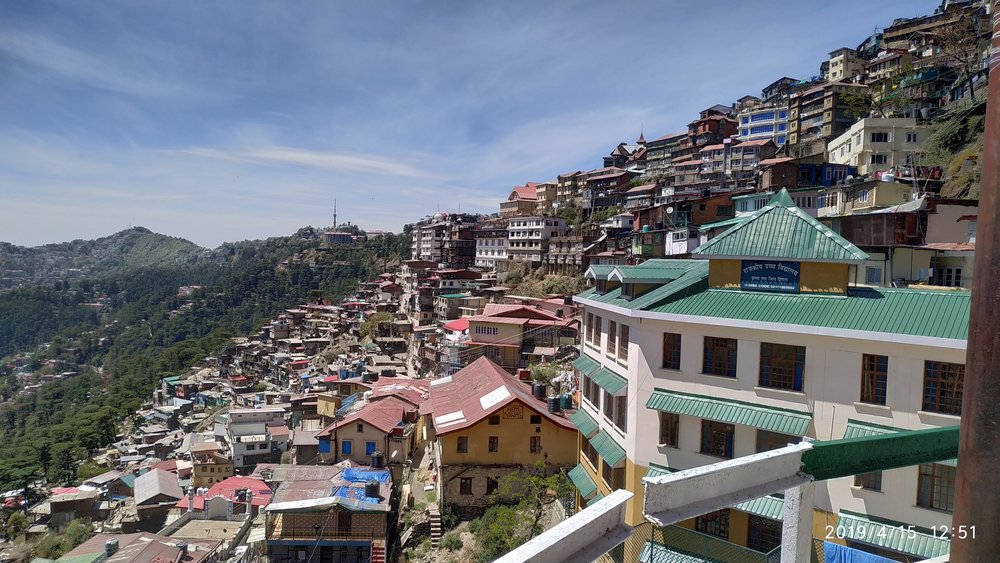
(514, 430)
(821, 277)
(822, 519)
(724, 274)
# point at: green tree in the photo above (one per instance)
(17, 524)
(372, 327)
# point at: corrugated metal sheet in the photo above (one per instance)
(941, 314)
(680, 276)
(657, 470)
(584, 423)
(734, 412)
(582, 481)
(856, 429)
(585, 364)
(608, 448)
(600, 271)
(609, 381)
(781, 230)
(891, 535)
(653, 552)
(768, 507)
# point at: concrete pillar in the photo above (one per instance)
(796, 528)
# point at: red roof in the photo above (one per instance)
(278, 430)
(713, 148)
(689, 163)
(528, 191)
(756, 142)
(642, 188)
(671, 136)
(383, 414)
(770, 161)
(477, 391)
(459, 325)
(261, 493)
(413, 391)
(237, 378)
(606, 176)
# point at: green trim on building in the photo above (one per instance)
(858, 429)
(892, 535)
(782, 231)
(609, 381)
(608, 448)
(585, 364)
(596, 498)
(769, 507)
(455, 295)
(724, 223)
(842, 458)
(680, 278)
(734, 412)
(582, 481)
(655, 470)
(598, 271)
(584, 423)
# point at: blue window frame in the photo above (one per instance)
(720, 356)
(370, 447)
(781, 139)
(746, 119)
(346, 447)
(782, 114)
(782, 126)
(761, 129)
(782, 366)
(769, 116)
(744, 132)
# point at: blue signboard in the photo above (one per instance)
(764, 275)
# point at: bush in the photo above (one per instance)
(449, 516)
(451, 541)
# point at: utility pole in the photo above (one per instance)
(335, 225)
(977, 494)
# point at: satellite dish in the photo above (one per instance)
(670, 210)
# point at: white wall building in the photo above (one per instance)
(528, 237)
(491, 247)
(248, 435)
(879, 144)
(764, 121)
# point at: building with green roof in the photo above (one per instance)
(760, 341)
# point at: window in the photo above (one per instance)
(465, 486)
(879, 159)
(767, 441)
(591, 392)
(590, 327)
(669, 423)
(943, 387)
(590, 453)
(911, 137)
(671, 351)
(535, 444)
(621, 403)
(720, 356)
(725, 210)
(491, 485)
(874, 378)
(714, 523)
(614, 478)
(346, 447)
(494, 444)
(494, 419)
(487, 330)
(782, 366)
(948, 277)
(936, 486)
(871, 480)
(612, 336)
(370, 447)
(717, 438)
(863, 195)
(623, 343)
(360, 428)
(536, 419)
(463, 445)
(873, 275)
(763, 534)
(882, 137)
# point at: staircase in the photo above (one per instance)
(435, 526)
(378, 554)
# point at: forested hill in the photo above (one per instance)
(124, 331)
(137, 247)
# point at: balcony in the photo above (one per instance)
(675, 539)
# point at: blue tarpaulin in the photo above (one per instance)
(836, 553)
(358, 475)
(356, 493)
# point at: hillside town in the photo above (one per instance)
(785, 268)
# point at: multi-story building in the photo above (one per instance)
(764, 122)
(660, 153)
(521, 202)
(569, 186)
(566, 253)
(528, 237)
(430, 241)
(888, 65)
(763, 343)
(491, 245)
(449, 306)
(845, 65)
(879, 144)
(459, 249)
(488, 426)
(249, 436)
(605, 187)
(817, 115)
(779, 90)
(381, 426)
(516, 336)
(546, 194)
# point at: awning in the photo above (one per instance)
(653, 552)
(582, 481)
(895, 536)
(769, 507)
(608, 448)
(657, 470)
(857, 429)
(584, 423)
(539, 350)
(609, 381)
(735, 412)
(596, 498)
(585, 365)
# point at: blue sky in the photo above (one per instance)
(231, 120)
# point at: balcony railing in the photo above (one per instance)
(713, 548)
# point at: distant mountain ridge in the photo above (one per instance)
(137, 247)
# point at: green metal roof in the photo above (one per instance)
(582, 481)
(608, 448)
(895, 536)
(724, 223)
(455, 295)
(769, 507)
(585, 364)
(584, 423)
(858, 429)
(782, 231)
(609, 381)
(654, 552)
(597, 497)
(680, 278)
(933, 313)
(599, 271)
(657, 470)
(734, 412)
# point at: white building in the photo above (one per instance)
(764, 121)
(879, 144)
(528, 237)
(688, 362)
(491, 247)
(250, 437)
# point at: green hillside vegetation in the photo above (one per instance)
(956, 145)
